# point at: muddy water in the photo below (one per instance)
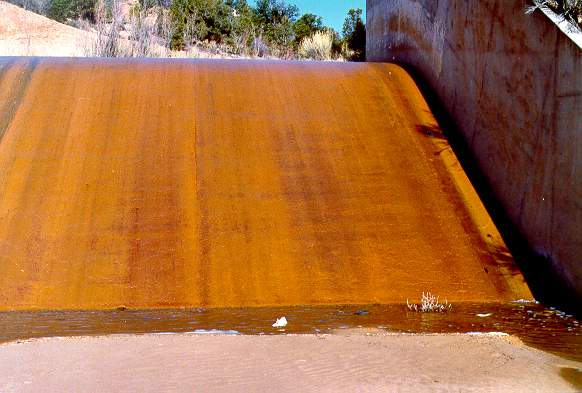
(542, 328)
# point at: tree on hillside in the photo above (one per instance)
(231, 27)
(276, 19)
(244, 27)
(354, 32)
(306, 26)
(180, 12)
(199, 20)
(275, 11)
(336, 43)
(66, 10)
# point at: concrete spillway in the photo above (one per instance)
(214, 183)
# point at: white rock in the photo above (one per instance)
(281, 322)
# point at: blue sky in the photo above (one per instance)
(333, 12)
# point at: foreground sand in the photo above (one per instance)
(355, 361)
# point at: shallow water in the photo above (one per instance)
(545, 329)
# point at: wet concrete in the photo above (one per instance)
(166, 184)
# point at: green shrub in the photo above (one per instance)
(67, 10)
(307, 26)
(275, 20)
(355, 35)
(244, 29)
(200, 20)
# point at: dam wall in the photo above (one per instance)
(144, 184)
(509, 86)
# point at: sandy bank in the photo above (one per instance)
(331, 363)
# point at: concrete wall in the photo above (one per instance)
(511, 84)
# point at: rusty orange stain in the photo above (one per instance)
(166, 183)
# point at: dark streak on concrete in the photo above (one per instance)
(9, 107)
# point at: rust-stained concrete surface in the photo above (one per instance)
(152, 183)
(512, 84)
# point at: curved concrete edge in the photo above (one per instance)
(502, 262)
(510, 84)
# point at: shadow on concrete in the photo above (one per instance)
(433, 131)
(540, 272)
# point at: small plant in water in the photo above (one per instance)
(429, 303)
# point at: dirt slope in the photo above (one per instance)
(24, 33)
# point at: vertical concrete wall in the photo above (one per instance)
(512, 85)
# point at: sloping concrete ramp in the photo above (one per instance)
(166, 183)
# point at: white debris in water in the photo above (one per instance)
(525, 301)
(497, 334)
(214, 331)
(485, 315)
(281, 322)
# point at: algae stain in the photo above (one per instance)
(10, 107)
